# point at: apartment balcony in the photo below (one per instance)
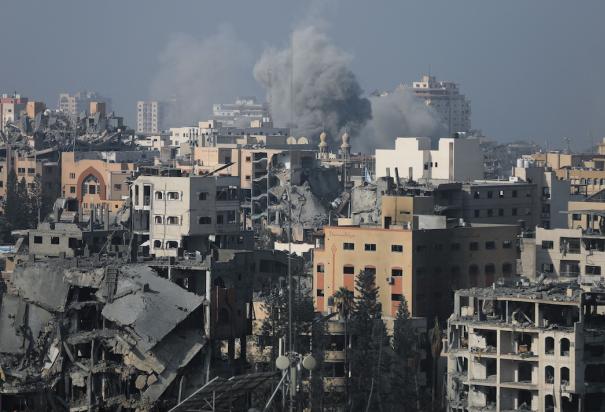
(334, 356)
(335, 384)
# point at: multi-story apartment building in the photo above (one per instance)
(11, 108)
(37, 168)
(241, 112)
(151, 116)
(535, 348)
(100, 179)
(456, 159)
(173, 214)
(78, 103)
(445, 98)
(404, 259)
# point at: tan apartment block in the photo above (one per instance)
(422, 261)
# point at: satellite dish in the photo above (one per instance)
(303, 140)
(309, 362)
(282, 362)
(291, 140)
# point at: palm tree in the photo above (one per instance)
(344, 298)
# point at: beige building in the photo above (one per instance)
(151, 116)
(423, 260)
(173, 214)
(100, 179)
(536, 348)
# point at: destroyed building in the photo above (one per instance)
(534, 347)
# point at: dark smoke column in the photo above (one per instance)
(326, 94)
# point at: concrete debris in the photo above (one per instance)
(68, 335)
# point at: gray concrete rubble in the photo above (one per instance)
(82, 335)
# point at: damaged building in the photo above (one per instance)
(534, 348)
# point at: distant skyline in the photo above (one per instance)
(532, 70)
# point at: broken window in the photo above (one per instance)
(549, 345)
(172, 220)
(159, 195)
(172, 244)
(158, 219)
(55, 240)
(564, 376)
(157, 244)
(570, 268)
(564, 343)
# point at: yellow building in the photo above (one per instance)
(424, 260)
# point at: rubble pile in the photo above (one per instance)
(85, 337)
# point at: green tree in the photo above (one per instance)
(344, 300)
(406, 395)
(369, 386)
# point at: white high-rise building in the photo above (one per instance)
(151, 116)
(240, 113)
(445, 98)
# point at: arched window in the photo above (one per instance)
(549, 345)
(158, 219)
(90, 185)
(157, 244)
(549, 374)
(549, 403)
(564, 347)
(172, 244)
(564, 376)
(159, 195)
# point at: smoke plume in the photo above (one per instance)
(195, 73)
(327, 95)
(398, 114)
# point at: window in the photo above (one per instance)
(473, 246)
(396, 297)
(549, 374)
(490, 194)
(320, 268)
(348, 270)
(514, 193)
(31, 170)
(117, 186)
(204, 220)
(576, 217)
(158, 219)
(396, 272)
(500, 212)
(231, 217)
(370, 269)
(202, 196)
(172, 195)
(477, 213)
(157, 244)
(220, 219)
(348, 246)
(397, 248)
(172, 244)
(507, 268)
(320, 292)
(490, 212)
(172, 220)
(564, 373)
(159, 195)
(549, 345)
(507, 244)
(514, 211)
(547, 267)
(38, 239)
(547, 244)
(477, 195)
(593, 270)
(72, 175)
(55, 240)
(72, 189)
(490, 245)
(455, 246)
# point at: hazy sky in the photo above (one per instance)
(533, 69)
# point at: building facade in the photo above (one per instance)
(78, 103)
(536, 348)
(403, 260)
(151, 116)
(445, 99)
(241, 112)
(173, 214)
(455, 159)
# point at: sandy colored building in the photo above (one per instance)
(99, 179)
(423, 260)
(534, 348)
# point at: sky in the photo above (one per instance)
(533, 70)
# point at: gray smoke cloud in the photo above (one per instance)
(196, 73)
(327, 95)
(398, 114)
